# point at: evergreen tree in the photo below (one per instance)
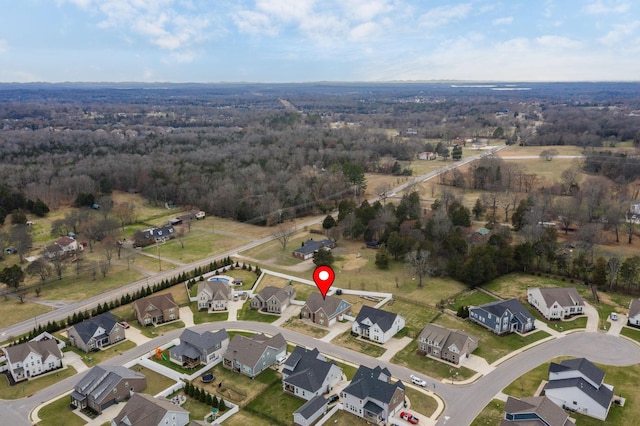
(382, 258)
(478, 209)
(222, 406)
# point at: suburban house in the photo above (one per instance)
(106, 385)
(427, 155)
(372, 396)
(307, 373)
(214, 295)
(145, 410)
(376, 324)
(154, 236)
(199, 348)
(577, 385)
(556, 302)
(273, 299)
(154, 310)
(503, 316)
(537, 410)
(94, 333)
(32, 358)
(634, 312)
(48, 336)
(62, 247)
(252, 355)
(449, 345)
(311, 411)
(311, 247)
(324, 311)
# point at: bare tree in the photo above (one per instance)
(613, 265)
(104, 268)
(283, 233)
(383, 191)
(419, 262)
(125, 213)
(20, 237)
(180, 236)
(39, 267)
(109, 247)
(57, 260)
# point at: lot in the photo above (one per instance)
(409, 358)
(29, 387)
(348, 341)
(238, 388)
(305, 327)
(280, 412)
(156, 382)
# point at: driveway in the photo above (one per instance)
(616, 326)
(74, 360)
(593, 319)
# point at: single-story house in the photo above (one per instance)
(376, 324)
(311, 247)
(273, 299)
(556, 302)
(578, 385)
(503, 317)
(156, 309)
(154, 236)
(372, 396)
(199, 348)
(252, 355)
(311, 411)
(215, 295)
(427, 155)
(62, 247)
(634, 312)
(106, 385)
(449, 345)
(324, 311)
(537, 410)
(94, 333)
(307, 373)
(145, 410)
(30, 359)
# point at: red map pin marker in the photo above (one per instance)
(323, 276)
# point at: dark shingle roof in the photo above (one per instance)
(499, 307)
(160, 302)
(307, 370)
(191, 342)
(634, 308)
(248, 350)
(100, 380)
(312, 406)
(331, 305)
(542, 406)
(565, 296)
(384, 319)
(602, 395)
(145, 410)
(87, 328)
(311, 246)
(373, 383)
(582, 365)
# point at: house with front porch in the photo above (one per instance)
(556, 303)
(324, 311)
(310, 247)
(252, 355)
(503, 317)
(450, 345)
(197, 349)
(273, 299)
(95, 333)
(156, 309)
(215, 294)
(307, 373)
(372, 396)
(105, 385)
(376, 324)
(31, 359)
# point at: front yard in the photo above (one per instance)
(95, 358)
(346, 340)
(408, 357)
(305, 327)
(29, 387)
(59, 413)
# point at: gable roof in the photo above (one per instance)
(306, 369)
(65, 241)
(100, 380)
(312, 246)
(498, 308)
(542, 407)
(374, 383)
(206, 340)
(158, 303)
(331, 305)
(582, 365)
(312, 406)
(281, 294)
(87, 328)
(634, 308)
(44, 348)
(384, 319)
(217, 290)
(565, 296)
(145, 410)
(445, 337)
(248, 350)
(602, 395)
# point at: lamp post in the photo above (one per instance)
(158, 252)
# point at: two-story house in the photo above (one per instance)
(307, 373)
(556, 302)
(376, 324)
(199, 348)
(450, 345)
(215, 294)
(324, 311)
(252, 355)
(30, 359)
(503, 317)
(372, 396)
(145, 410)
(273, 299)
(537, 410)
(106, 385)
(156, 309)
(95, 333)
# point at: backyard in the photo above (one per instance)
(156, 382)
(280, 413)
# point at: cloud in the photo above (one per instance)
(620, 33)
(4, 45)
(444, 14)
(366, 10)
(507, 20)
(601, 7)
(557, 42)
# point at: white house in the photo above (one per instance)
(307, 373)
(556, 302)
(577, 385)
(32, 358)
(376, 324)
(634, 312)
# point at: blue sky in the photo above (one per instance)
(319, 40)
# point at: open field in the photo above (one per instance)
(19, 311)
(58, 413)
(416, 316)
(156, 382)
(75, 288)
(29, 387)
(197, 245)
(272, 253)
(517, 150)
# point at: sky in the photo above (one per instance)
(278, 41)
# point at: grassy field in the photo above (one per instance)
(74, 287)
(244, 418)
(29, 387)
(280, 413)
(238, 388)
(248, 314)
(197, 245)
(346, 340)
(409, 358)
(272, 252)
(58, 413)
(149, 263)
(200, 317)
(470, 298)
(12, 312)
(416, 316)
(631, 332)
(156, 382)
(95, 358)
(305, 327)
(491, 414)
(422, 404)
(342, 418)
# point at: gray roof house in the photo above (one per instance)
(534, 411)
(376, 324)
(450, 345)
(324, 311)
(577, 385)
(32, 358)
(199, 348)
(273, 299)
(503, 316)
(311, 246)
(94, 333)
(556, 302)
(372, 396)
(105, 385)
(634, 312)
(252, 355)
(145, 410)
(214, 295)
(310, 411)
(307, 373)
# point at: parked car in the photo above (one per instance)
(124, 324)
(418, 381)
(409, 417)
(333, 398)
(614, 316)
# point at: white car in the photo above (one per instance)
(418, 381)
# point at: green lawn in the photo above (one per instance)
(13, 312)
(343, 418)
(280, 412)
(491, 415)
(238, 388)
(156, 382)
(631, 332)
(58, 413)
(273, 252)
(170, 364)
(305, 327)
(421, 403)
(197, 410)
(348, 341)
(408, 357)
(79, 287)
(29, 387)
(245, 418)
(248, 314)
(416, 317)
(348, 370)
(197, 245)
(152, 332)
(200, 317)
(470, 298)
(94, 358)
